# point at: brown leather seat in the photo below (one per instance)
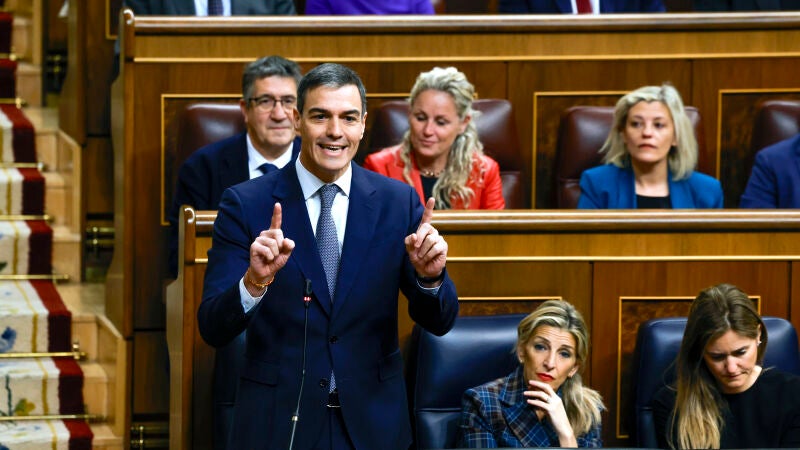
(200, 124)
(497, 131)
(775, 121)
(581, 133)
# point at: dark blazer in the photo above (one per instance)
(610, 187)
(565, 6)
(186, 7)
(497, 415)
(775, 179)
(356, 333)
(203, 177)
(742, 5)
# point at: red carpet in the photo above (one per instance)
(33, 317)
(6, 22)
(8, 78)
(23, 136)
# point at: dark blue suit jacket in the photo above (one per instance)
(186, 7)
(356, 333)
(775, 179)
(610, 187)
(204, 176)
(565, 6)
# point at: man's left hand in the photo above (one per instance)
(426, 249)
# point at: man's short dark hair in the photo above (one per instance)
(268, 66)
(333, 76)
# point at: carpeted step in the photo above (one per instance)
(33, 318)
(17, 136)
(26, 247)
(41, 386)
(46, 434)
(21, 191)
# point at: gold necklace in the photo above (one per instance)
(430, 173)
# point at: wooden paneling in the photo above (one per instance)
(98, 189)
(618, 268)
(150, 380)
(626, 294)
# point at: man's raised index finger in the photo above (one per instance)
(277, 217)
(427, 215)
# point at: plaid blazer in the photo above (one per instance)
(496, 415)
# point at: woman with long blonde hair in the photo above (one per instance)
(542, 403)
(723, 396)
(441, 155)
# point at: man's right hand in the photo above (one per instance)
(268, 254)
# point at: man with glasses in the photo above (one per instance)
(269, 94)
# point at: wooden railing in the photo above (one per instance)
(618, 267)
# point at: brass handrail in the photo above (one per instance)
(87, 417)
(76, 354)
(18, 277)
(20, 102)
(22, 165)
(9, 217)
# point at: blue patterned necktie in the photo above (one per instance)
(327, 241)
(267, 168)
(328, 246)
(215, 7)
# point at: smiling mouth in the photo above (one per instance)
(333, 148)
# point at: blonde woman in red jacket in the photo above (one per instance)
(441, 155)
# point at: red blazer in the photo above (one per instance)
(487, 189)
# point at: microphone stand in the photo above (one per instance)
(296, 415)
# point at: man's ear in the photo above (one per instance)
(363, 125)
(296, 119)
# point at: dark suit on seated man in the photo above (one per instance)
(269, 93)
(566, 6)
(230, 7)
(355, 238)
(745, 5)
(775, 179)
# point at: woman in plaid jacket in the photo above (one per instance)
(542, 403)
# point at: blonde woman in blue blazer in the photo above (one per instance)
(650, 156)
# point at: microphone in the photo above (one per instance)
(296, 416)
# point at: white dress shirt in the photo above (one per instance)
(201, 7)
(256, 159)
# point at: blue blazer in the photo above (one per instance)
(565, 6)
(356, 333)
(204, 176)
(775, 179)
(610, 187)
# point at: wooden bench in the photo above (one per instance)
(618, 267)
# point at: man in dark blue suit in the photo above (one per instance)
(269, 94)
(775, 179)
(357, 238)
(745, 5)
(569, 6)
(230, 7)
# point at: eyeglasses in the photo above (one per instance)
(266, 103)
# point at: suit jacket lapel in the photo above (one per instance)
(362, 219)
(235, 167)
(297, 227)
(564, 6)
(519, 416)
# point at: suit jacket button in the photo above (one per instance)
(323, 383)
(333, 339)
